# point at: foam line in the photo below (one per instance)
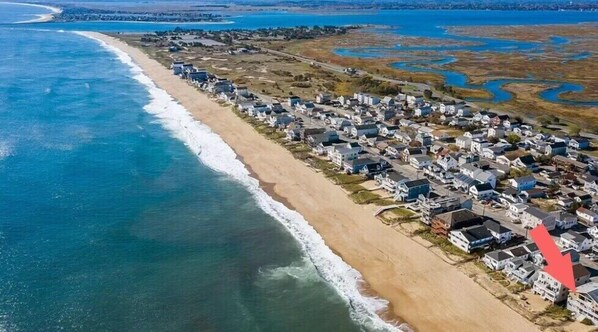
(217, 155)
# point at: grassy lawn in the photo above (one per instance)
(352, 187)
(385, 202)
(442, 242)
(346, 179)
(517, 288)
(364, 197)
(402, 213)
(557, 312)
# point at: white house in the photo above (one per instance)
(420, 161)
(471, 238)
(532, 217)
(564, 220)
(552, 290)
(478, 145)
(390, 181)
(280, 120)
(584, 302)
(496, 132)
(587, 216)
(523, 183)
(344, 152)
(368, 130)
(500, 233)
(497, 260)
(447, 162)
(576, 241)
(481, 191)
(516, 210)
(463, 142)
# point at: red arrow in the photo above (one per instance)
(559, 267)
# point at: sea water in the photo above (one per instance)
(119, 212)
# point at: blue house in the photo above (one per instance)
(409, 191)
(294, 100)
(200, 75)
(523, 183)
(556, 149)
(579, 143)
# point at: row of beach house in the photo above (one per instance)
(444, 158)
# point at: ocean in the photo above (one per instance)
(122, 213)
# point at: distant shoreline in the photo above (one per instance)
(40, 17)
(164, 22)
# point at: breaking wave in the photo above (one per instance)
(6, 150)
(217, 155)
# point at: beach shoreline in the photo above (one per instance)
(428, 293)
(40, 17)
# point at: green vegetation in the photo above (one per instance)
(352, 187)
(517, 288)
(370, 85)
(545, 120)
(482, 266)
(347, 178)
(574, 130)
(558, 312)
(587, 321)
(364, 197)
(384, 202)
(519, 172)
(402, 213)
(513, 139)
(442, 242)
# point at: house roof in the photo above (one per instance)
(531, 247)
(509, 191)
(518, 251)
(396, 177)
(421, 158)
(586, 211)
(465, 179)
(469, 167)
(580, 271)
(499, 255)
(456, 217)
(536, 212)
(580, 139)
(361, 162)
(574, 236)
(366, 126)
(416, 183)
(527, 159)
(590, 289)
(475, 233)
(528, 178)
(483, 176)
(483, 187)
(496, 227)
(558, 145)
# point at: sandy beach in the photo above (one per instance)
(425, 291)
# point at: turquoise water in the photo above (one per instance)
(10, 12)
(110, 222)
